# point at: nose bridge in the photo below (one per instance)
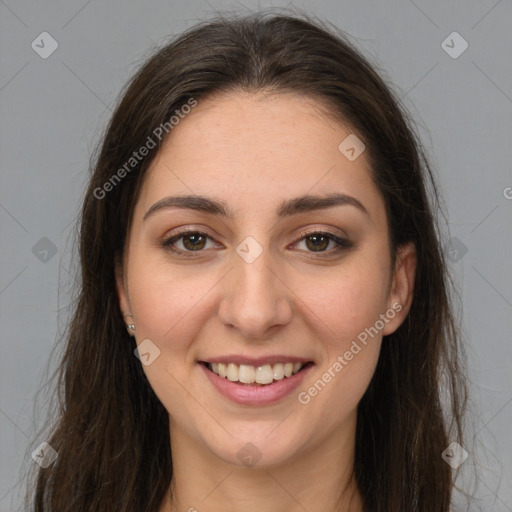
(255, 299)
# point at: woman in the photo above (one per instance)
(264, 320)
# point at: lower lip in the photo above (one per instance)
(247, 394)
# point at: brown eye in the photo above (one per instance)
(318, 242)
(194, 241)
(190, 241)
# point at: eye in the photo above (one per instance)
(191, 241)
(319, 241)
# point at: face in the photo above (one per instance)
(245, 278)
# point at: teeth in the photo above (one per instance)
(278, 371)
(248, 374)
(232, 373)
(264, 374)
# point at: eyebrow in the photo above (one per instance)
(301, 204)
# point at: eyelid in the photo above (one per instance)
(320, 231)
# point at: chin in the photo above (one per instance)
(260, 446)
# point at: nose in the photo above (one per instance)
(256, 297)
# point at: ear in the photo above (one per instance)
(402, 287)
(121, 287)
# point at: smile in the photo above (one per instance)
(258, 384)
(248, 374)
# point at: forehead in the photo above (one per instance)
(253, 149)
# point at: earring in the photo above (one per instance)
(130, 327)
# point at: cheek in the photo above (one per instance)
(351, 308)
(164, 304)
(347, 309)
(349, 300)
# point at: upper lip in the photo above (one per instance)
(256, 361)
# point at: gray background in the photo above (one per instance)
(53, 111)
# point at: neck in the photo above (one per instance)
(319, 478)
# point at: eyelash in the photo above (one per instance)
(342, 244)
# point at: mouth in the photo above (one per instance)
(259, 381)
(261, 375)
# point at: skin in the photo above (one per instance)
(253, 151)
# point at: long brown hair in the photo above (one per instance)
(111, 431)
